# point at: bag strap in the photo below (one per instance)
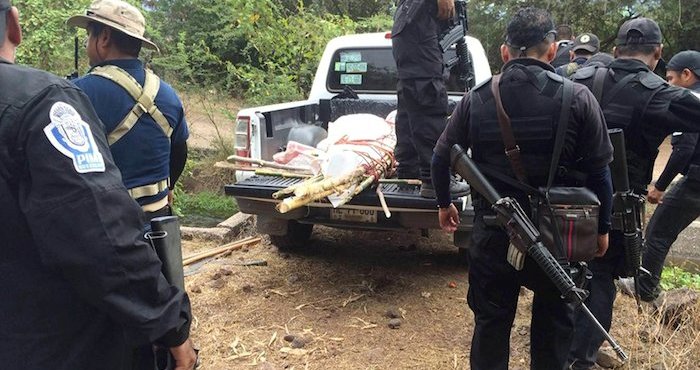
(567, 98)
(512, 150)
(619, 85)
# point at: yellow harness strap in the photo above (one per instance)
(144, 96)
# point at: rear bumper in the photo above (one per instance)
(408, 209)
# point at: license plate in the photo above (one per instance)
(354, 215)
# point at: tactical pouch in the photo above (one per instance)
(575, 210)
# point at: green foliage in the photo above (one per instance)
(207, 204)
(267, 51)
(676, 277)
(48, 41)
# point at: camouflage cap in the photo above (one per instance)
(116, 14)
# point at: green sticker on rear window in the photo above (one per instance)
(356, 67)
(351, 79)
(340, 66)
(350, 56)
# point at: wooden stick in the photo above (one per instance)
(263, 163)
(272, 172)
(223, 246)
(400, 181)
(387, 213)
(295, 202)
(221, 250)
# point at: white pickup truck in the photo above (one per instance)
(364, 63)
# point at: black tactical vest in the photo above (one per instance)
(624, 108)
(533, 102)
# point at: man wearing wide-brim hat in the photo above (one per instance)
(143, 118)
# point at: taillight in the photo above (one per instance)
(387, 35)
(242, 144)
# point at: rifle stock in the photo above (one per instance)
(525, 236)
(627, 211)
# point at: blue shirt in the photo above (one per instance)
(143, 154)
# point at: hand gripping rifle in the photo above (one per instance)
(524, 235)
(627, 212)
(458, 28)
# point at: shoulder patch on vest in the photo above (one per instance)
(651, 80)
(584, 72)
(71, 136)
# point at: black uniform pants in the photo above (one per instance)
(601, 287)
(680, 207)
(494, 288)
(421, 118)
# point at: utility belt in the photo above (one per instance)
(162, 212)
(150, 189)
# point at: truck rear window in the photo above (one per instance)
(372, 70)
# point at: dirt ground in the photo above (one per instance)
(336, 295)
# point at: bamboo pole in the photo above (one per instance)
(220, 250)
(295, 202)
(329, 183)
(290, 189)
(263, 163)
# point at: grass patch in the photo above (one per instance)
(204, 209)
(675, 277)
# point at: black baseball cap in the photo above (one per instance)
(639, 31)
(4, 7)
(588, 42)
(685, 59)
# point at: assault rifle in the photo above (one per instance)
(75, 74)
(458, 28)
(628, 209)
(524, 235)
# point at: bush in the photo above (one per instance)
(676, 277)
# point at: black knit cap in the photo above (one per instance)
(685, 59)
(639, 31)
(4, 6)
(529, 27)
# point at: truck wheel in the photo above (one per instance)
(296, 236)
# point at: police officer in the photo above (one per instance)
(564, 38)
(79, 286)
(585, 46)
(422, 95)
(636, 100)
(681, 205)
(143, 116)
(532, 96)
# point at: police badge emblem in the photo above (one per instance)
(68, 133)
